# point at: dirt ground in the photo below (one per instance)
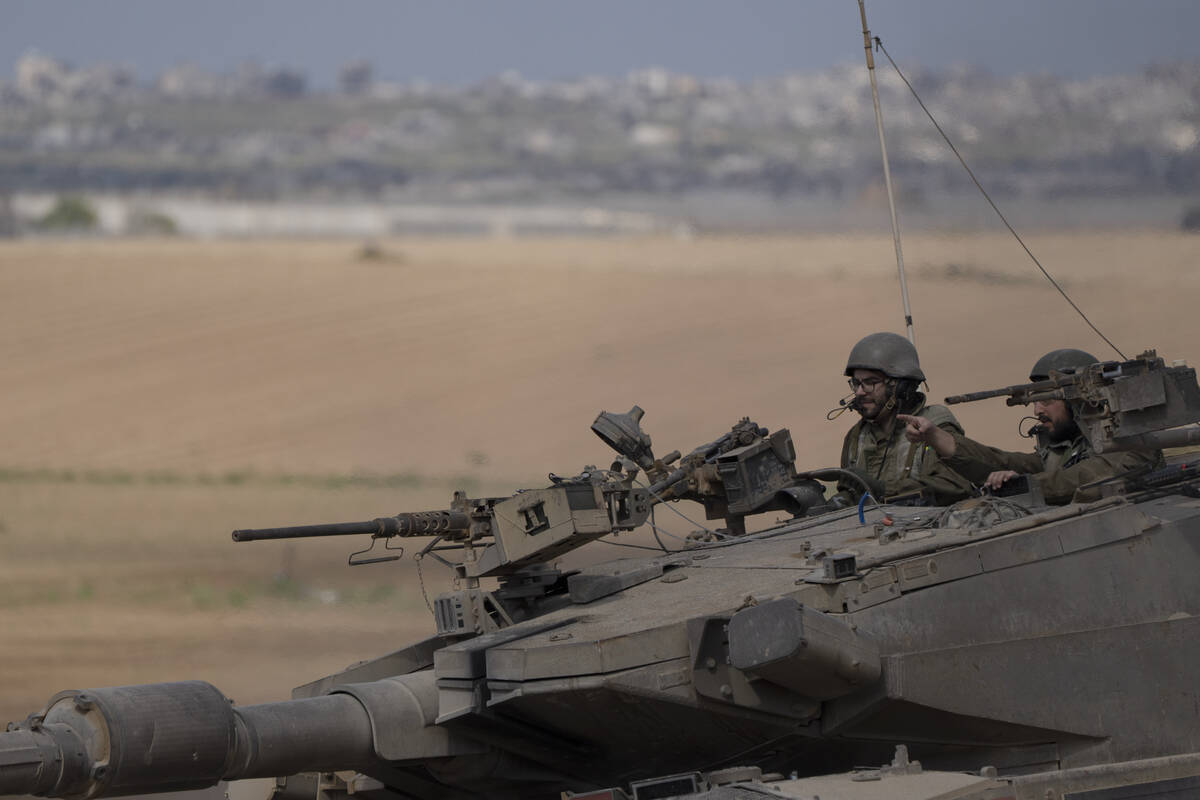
(158, 394)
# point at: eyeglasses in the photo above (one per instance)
(868, 385)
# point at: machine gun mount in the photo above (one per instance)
(1120, 405)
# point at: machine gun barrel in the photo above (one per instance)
(420, 523)
(1019, 393)
(706, 452)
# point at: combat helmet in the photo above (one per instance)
(1066, 359)
(889, 353)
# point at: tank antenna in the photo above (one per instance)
(887, 174)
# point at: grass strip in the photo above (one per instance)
(236, 477)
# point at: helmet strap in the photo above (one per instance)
(892, 400)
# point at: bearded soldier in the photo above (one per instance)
(885, 375)
(1063, 459)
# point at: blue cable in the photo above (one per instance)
(862, 518)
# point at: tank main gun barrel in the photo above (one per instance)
(419, 523)
(175, 736)
(165, 737)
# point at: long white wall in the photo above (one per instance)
(211, 218)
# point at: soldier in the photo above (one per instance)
(1063, 459)
(885, 375)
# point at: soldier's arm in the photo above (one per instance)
(1062, 486)
(926, 431)
(975, 461)
(946, 485)
(936, 478)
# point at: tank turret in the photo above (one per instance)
(997, 636)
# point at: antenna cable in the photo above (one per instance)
(986, 196)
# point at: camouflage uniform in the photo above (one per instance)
(884, 454)
(1060, 468)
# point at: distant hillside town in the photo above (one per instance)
(645, 142)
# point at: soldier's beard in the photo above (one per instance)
(1060, 432)
(878, 412)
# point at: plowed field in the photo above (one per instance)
(157, 394)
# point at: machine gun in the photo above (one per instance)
(746, 471)
(1140, 404)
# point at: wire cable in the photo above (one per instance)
(635, 546)
(421, 579)
(654, 528)
(986, 196)
(862, 501)
(674, 510)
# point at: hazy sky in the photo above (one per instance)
(459, 41)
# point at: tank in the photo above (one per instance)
(997, 648)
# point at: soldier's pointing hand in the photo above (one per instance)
(917, 429)
(920, 430)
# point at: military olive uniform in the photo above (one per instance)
(884, 454)
(1060, 468)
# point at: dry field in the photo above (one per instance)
(158, 394)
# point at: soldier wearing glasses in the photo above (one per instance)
(885, 376)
